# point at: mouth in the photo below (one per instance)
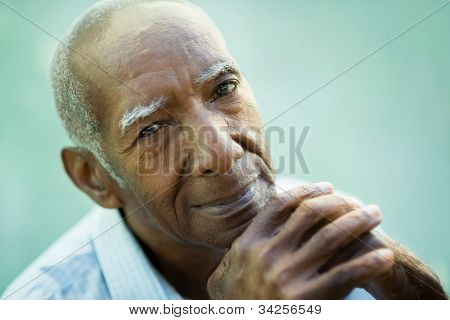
(243, 200)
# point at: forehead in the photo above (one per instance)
(160, 39)
(156, 49)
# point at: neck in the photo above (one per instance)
(186, 267)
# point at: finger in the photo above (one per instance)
(292, 198)
(309, 214)
(339, 281)
(283, 204)
(336, 235)
(356, 248)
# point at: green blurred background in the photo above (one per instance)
(381, 131)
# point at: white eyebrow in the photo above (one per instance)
(216, 70)
(139, 112)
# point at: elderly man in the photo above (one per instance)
(168, 144)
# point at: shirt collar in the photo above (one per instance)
(127, 271)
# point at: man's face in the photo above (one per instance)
(182, 128)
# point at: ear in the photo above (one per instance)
(90, 177)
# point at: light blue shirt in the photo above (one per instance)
(99, 258)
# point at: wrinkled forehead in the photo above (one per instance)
(149, 35)
(145, 47)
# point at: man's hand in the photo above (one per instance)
(282, 254)
(410, 278)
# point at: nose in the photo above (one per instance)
(216, 151)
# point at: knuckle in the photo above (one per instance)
(308, 189)
(312, 189)
(305, 212)
(271, 277)
(347, 204)
(352, 221)
(342, 277)
(327, 236)
(310, 217)
(311, 207)
(264, 254)
(240, 247)
(277, 278)
(351, 202)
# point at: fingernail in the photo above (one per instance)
(325, 186)
(373, 210)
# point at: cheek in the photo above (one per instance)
(249, 115)
(163, 155)
(158, 179)
(158, 174)
(156, 196)
(151, 156)
(246, 117)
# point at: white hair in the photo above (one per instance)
(215, 70)
(139, 112)
(70, 93)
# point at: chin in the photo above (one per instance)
(225, 239)
(223, 223)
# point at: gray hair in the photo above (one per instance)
(70, 93)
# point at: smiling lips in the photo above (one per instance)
(237, 202)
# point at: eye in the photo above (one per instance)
(225, 88)
(150, 130)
